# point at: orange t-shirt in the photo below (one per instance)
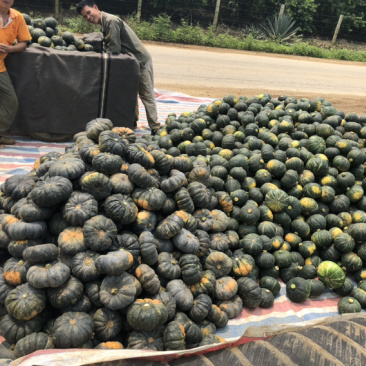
(17, 29)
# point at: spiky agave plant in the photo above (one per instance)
(279, 27)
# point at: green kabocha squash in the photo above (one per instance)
(219, 263)
(298, 289)
(112, 142)
(117, 292)
(348, 304)
(225, 288)
(50, 274)
(150, 340)
(79, 208)
(19, 186)
(176, 180)
(276, 200)
(70, 168)
(220, 221)
(25, 302)
(99, 232)
(141, 177)
(71, 240)
(114, 263)
(72, 329)
(169, 301)
(68, 294)
(151, 199)
(218, 317)
(83, 266)
(170, 227)
(331, 274)
(271, 284)
(346, 288)
(96, 184)
(40, 253)
(121, 209)
(121, 183)
(147, 314)
(15, 271)
(249, 291)
(168, 267)
(182, 294)
(201, 307)
(193, 333)
(51, 191)
(107, 324)
(148, 248)
(13, 329)
(191, 270)
(186, 241)
(267, 299)
(206, 284)
(21, 230)
(148, 278)
(174, 336)
(31, 343)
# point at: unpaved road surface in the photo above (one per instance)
(214, 72)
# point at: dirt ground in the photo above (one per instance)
(188, 69)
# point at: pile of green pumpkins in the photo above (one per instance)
(45, 32)
(154, 243)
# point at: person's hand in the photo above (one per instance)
(4, 48)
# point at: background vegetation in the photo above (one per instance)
(247, 25)
(316, 18)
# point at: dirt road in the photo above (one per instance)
(214, 72)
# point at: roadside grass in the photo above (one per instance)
(161, 29)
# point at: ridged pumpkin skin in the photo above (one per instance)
(147, 314)
(15, 271)
(107, 324)
(121, 209)
(67, 294)
(99, 232)
(148, 278)
(25, 302)
(51, 274)
(331, 274)
(180, 291)
(79, 208)
(174, 336)
(51, 191)
(114, 263)
(31, 343)
(117, 292)
(96, 184)
(72, 329)
(170, 227)
(151, 340)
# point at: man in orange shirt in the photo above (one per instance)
(12, 27)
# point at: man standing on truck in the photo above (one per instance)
(12, 27)
(119, 37)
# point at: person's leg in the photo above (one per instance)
(8, 106)
(146, 93)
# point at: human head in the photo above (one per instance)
(90, 12)
(6, 5)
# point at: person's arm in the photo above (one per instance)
(112, 39)
(19, 47)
